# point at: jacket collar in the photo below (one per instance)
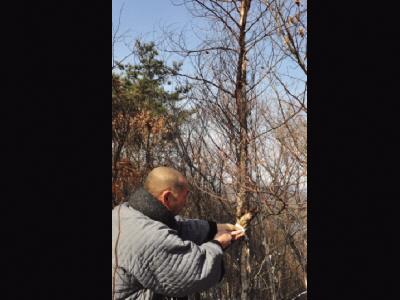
(145, 203)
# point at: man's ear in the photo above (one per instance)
(164, 198)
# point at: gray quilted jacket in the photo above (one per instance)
(159, 255)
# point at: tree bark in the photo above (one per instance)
(242, 162)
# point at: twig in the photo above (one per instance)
(302, 293)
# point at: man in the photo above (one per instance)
(156, 254)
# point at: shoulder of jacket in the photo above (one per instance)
(139, 227)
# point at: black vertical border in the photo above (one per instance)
(56, 129)
(352, 150)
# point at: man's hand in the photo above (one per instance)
(236, 231)
(224, 238)
(237, 234)
(228, 233)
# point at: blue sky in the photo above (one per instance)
(144, 18)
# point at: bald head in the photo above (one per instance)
(164, 178)
(169, 187)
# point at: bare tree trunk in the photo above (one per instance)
(242, 163)
(149, 162)
(245, 270)
(299, 257)
(270, 268)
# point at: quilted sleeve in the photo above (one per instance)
(197, 231)
(176, 268)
